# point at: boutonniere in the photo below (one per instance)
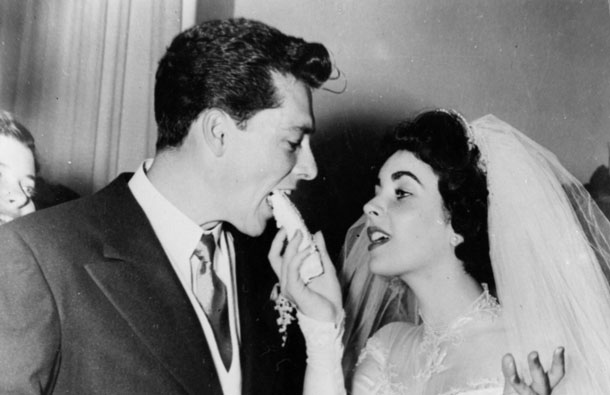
(285, 309)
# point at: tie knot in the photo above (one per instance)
(205, 248)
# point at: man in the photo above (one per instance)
(139, 289)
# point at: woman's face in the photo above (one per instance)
(17, 179)
(407, 226)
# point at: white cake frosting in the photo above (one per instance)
(288, 217)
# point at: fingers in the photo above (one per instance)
(512, 379)
(275, 252)
(509, 370)
(312, 300)
(292, 257)
(557, 368)
(292, 267)
(286, 259)
(542, 383)
(293, 245)
(280, 252)
(319, 241)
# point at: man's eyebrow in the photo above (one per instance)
(303, 129)
(404, 173)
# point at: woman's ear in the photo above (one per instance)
(456, 239)
(214, 126)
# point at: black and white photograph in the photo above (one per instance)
(225, 197)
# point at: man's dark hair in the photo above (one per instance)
(228, 64)
(10, 127)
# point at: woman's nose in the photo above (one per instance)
(371, 209)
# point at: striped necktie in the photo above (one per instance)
(211, 293)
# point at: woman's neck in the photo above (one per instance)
(445, 294)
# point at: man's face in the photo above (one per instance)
(272, 152)
(17, 174)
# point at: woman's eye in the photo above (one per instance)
(402, 193)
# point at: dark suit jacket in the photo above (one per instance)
(89, 304)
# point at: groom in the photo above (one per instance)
(141, 288)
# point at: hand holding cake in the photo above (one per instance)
(288, 217)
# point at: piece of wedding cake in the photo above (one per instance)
(288, 217)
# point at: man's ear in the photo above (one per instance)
(214, 126)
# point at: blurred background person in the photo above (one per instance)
(18, 168)
(599, 186)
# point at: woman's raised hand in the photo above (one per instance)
(320, 299)
(543, 382)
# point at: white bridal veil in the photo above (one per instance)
(550, 253)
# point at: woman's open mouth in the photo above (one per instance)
(377, 237)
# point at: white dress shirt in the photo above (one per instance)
(179, 236)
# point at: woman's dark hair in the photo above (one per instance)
(441, 139)
(228, 64)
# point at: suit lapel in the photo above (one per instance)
(138, 279)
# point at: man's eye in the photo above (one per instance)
(294, 145)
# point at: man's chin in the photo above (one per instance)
(254, 229)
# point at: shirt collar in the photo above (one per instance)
(177, 233)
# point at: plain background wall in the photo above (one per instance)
(543, 66)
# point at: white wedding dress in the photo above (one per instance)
(405, 359)
(461, 358)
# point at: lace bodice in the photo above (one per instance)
(461, 358)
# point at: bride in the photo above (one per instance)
(461, 214)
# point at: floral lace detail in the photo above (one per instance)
(373, 346)
(385, 366)
(435, 341)
(286, 311)
(389, 382)
(479, 385)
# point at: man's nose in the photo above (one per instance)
(306, 167)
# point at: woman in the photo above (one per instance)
(428, 226)
(17, 169)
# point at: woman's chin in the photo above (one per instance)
(378, 267)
